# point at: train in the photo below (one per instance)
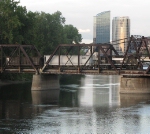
(92, 61)
(69, 60)
(87, 61)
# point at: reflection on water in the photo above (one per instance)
(85, 104)
(13, 101)
(45, 97)
(99, 91)
(133, 99)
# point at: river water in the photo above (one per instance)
(87, 104)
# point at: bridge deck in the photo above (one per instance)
(98, 72)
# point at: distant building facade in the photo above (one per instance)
(120, 30)
(101, 27)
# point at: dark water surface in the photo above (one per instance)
(84, 105)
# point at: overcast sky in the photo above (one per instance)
(80, 13)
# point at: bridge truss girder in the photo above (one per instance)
(18, 58)
(141, 50)
(107, 50)
(103, 49)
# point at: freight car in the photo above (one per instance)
(23, 61)
(69, 60)
(90, 61)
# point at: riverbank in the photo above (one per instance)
(9, 82)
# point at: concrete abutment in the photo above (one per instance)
(128, 84)
(136, 84)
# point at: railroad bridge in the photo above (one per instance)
(95, 59)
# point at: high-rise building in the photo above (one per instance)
(101, 27)
(120, 30)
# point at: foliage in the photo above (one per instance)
(13, 77)
(9, 21)
(43, 30)
(72, 35)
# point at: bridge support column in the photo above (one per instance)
(45, 82)
(130, 84)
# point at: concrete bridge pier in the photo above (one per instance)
(45, 82)
(134, 84)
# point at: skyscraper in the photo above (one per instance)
(101, 27)
(120, 30)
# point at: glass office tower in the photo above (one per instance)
(120, 30)
(101, 27)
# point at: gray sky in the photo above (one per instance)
(80, 13)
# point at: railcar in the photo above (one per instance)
(69, 60)
(91, 61)
(15, 61)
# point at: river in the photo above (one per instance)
(87, 104)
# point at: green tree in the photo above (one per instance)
(48, 31)
(30, 28)
(72, 35)
(9, 20)
(19, 32)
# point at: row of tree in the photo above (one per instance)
(44, 30)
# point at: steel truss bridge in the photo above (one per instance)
(27, 59)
